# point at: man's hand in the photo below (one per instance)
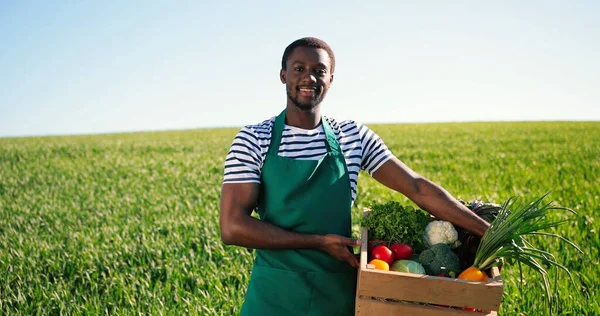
(337, 247)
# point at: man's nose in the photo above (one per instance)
(310, 77)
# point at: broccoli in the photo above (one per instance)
(437, 257)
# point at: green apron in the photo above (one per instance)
(304, 196)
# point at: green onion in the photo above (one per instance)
(506, 239)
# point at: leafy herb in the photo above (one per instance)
(396, 223)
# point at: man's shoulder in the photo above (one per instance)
(342, 124)
(263, 127)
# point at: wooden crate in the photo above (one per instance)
(395, 293)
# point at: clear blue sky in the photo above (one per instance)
(84, 67)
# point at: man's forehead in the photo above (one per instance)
(312, 55)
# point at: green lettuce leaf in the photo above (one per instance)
(394, 222)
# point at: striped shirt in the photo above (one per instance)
(362, 148)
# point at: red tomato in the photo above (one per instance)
(374, 243)
(401, 251)
(384, 253)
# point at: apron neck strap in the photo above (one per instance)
(276, 134)
(333, 147)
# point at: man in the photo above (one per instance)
(299, 171)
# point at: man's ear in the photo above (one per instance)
(331, 79)
(282, 75)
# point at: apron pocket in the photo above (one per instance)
(274, 291)
(333, 293)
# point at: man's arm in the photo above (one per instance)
(429, 196)
(239, 228)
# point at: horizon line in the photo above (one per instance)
(184, 129)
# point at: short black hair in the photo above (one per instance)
(307, 42)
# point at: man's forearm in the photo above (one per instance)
(250, 232)
(443, 206)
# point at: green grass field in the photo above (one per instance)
(128, 223)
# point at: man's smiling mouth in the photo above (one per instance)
(308, 91)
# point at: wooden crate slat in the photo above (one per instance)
(429, 289)
(380, 308)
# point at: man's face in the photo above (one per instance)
(307, 77)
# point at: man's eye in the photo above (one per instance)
(322, 71)
(298, 69)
